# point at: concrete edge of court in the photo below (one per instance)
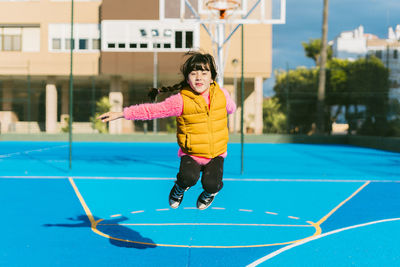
(384, 143)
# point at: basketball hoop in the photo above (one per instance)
(222, 6)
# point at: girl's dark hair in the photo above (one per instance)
(196, 61)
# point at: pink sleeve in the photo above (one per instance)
(230, 104)
(170, 107)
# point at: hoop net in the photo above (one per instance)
(222, 6)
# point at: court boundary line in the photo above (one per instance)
(286, 248)
(207, 224)
(2, 156)
(173, 179)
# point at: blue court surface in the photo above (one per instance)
(294, 205)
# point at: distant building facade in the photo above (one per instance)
(357, 44)
(121, 48)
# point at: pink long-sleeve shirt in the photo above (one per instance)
(172, 107)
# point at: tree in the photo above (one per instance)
(102, 106)
(297, 94)
(312, 49)
(274, 119)
(369, 84)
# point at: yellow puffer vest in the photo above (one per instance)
(203, 131)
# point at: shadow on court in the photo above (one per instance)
(113, 229)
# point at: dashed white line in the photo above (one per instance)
(137, 211)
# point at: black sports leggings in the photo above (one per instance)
(189, 173)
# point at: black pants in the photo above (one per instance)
(189, 174)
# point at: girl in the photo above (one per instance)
(201, 109)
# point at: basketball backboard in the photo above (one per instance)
(221, 18)
(238, 11)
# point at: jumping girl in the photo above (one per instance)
(201, 108)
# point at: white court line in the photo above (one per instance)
(138, 211)
(162, 209)
(173, 179)
(30, 151)
(279, 251)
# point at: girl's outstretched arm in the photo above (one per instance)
(170, 107)
(110, 116)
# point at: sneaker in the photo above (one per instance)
(176, 196)
(205, 199)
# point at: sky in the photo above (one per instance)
(304, 21)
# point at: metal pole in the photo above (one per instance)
(287, 99)
(93, 102)
(155, 78)
(29, 98)
(220, 52)
(242, 105)
(71, 84)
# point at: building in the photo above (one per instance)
(121, 49)
(356, 44)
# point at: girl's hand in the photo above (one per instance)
(110, 116)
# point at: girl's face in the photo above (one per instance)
(200, 80)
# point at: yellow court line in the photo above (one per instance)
(94, 224)
(83, 203)
(323, 219)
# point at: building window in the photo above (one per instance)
(68, 44)
(121, 45)
(86, 37)
(156, 45)
(83, 44)
(143, 32)
(167, 33)
(378, 54)
(111, 45)
(167, 45)
(154, 32)
(56, 43)
(96, 44)
(143, 45)
(178, 39)
(12, 42)
(395, 54)
(189, 39)
(132, 45)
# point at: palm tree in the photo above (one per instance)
(322, 71)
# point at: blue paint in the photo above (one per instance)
(44, 224)
(372, 245)
(377, 201)
(273, 161)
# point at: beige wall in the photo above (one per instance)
(257, 50)
(130, 10)
(44, 62)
